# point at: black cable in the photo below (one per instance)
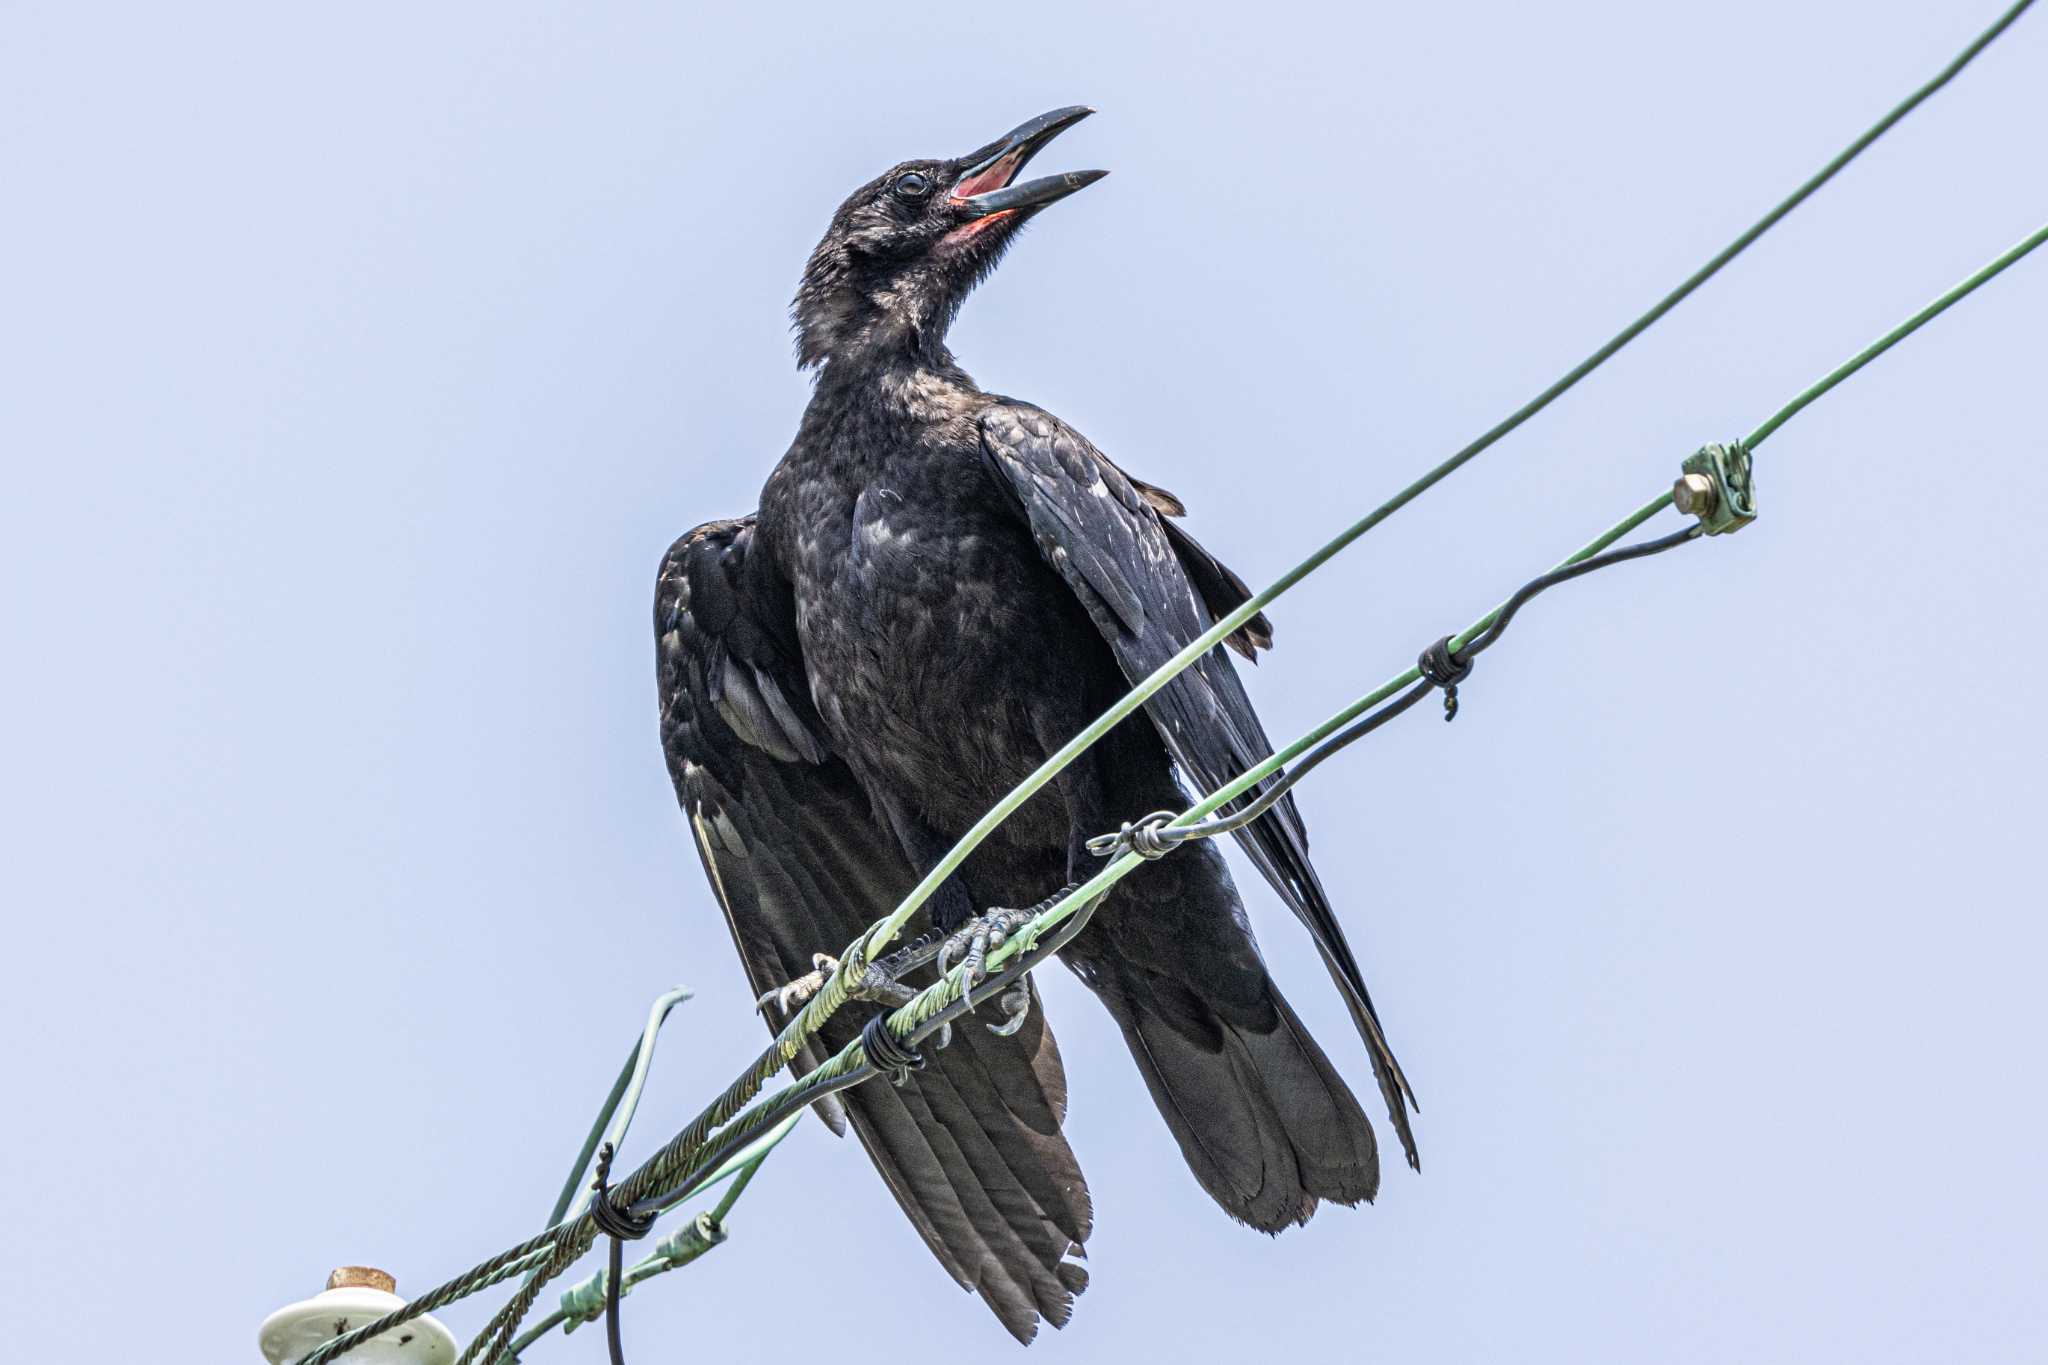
(1439, 666)
(1485, 639)
(621, 1226)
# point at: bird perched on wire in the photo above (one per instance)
(941, 587)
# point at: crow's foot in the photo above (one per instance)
(794, 995)
(971, 943)
(881, 983)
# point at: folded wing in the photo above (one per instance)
(1151, 590)
(971, 1147)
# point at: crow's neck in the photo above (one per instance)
(899, 381)
(869, 335)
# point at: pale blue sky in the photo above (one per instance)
(356, 366)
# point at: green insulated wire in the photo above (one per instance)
(550, 1251)
(625, 1092)
(1073, 902)
(934, 998)
(1122, 866)
(887, 930)
(1245, 781)
(1897, 334)
(741, 1167)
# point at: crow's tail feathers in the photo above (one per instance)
(1266, 1124)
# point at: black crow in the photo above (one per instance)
(941, 587)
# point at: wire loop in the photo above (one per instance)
(613, 1221)
(889, 1054)
(1149, 837)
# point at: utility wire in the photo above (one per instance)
(585, 1301)
(918, 1017)
(1155, 835)
(623, 1100)
(548, 1253)
(884, 932)
(1258, 773)
(855, 959)
(1064, 915)
(938, 1004)
(1941, 304)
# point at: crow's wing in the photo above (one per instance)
(1151, 590)
(971, 1147)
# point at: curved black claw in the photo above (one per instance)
(1015, 1003)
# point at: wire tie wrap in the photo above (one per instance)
(1440, 666)
(1149, 837)
(613, 1221)
(622, 1226)
(889, 1055)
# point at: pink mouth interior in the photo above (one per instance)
(973, 228)
(999, 173)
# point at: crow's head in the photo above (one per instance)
(907, 248)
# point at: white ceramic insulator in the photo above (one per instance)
(292, 1332)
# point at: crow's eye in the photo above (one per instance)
(911, 185)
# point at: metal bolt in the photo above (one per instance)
(1694, 495)
(362, 1277)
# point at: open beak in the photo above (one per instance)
(988, 187)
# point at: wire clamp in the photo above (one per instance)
(1719, 487)
(584, 1301)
